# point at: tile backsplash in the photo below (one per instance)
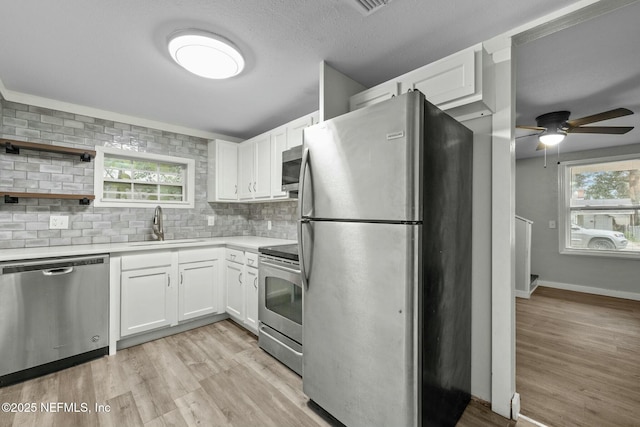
(26, 224)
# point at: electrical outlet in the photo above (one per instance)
(552, 224)
(268, 225)
(211, 220)
(58, 222)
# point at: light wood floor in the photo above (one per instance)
(578, 359)
(211, 376)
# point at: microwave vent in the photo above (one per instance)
(367, 7)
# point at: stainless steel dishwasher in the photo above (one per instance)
(54, 313)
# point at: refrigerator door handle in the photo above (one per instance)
(301, 221)
(303, 173)
(303, 270)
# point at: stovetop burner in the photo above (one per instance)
(281, 251)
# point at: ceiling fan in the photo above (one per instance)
(554, 126)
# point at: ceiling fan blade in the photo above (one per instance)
(607, 115)
(611, 130)
(530, 134)
(531, 127)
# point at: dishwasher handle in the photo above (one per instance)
(57, 271)
(54, 265)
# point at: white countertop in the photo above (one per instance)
(242, 242)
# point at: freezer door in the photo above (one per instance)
(360, 352)
(365, 165)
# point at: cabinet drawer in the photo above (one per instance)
(198, 254)
(235, 255)
(251, 259)
(146, 260)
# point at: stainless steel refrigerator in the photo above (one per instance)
(385, 253)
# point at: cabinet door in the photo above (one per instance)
(197, 292)
(374, 95)
(295, 129)
(262, 168)
(251, 298)
(245, 170)
(444, 80)
(147, 300)
(235, 290)
(278, 145)
(226, 170)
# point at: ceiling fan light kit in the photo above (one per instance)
(554, 126)
(205, 54)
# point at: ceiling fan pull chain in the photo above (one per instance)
(545, 156)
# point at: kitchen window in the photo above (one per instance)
(133, 179)
(600, 206)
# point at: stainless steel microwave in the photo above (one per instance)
(291, 162)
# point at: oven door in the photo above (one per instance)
(280, 294)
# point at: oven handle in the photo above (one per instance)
(303, 170)
(279, 267)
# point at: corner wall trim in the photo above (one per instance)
(591, 290)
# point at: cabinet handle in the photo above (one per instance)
(181, 278)
(240, 278)
(168, 281)
(254, 186)
(249, 186)
(236, 189)
(255, 283)
(250, 261)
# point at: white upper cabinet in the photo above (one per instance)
(222, 185)
(254, 180)
(278, 145)
(461, 84)
(295, 128)
(252, 170)
(374, 95)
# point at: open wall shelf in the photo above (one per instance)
(13, 147)
(12, 196)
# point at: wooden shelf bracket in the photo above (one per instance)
(13, 147)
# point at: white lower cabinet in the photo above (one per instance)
(251, 299)
(235, 290)
(147, 300)
(241, 277)
(198, 290)
(162, 288)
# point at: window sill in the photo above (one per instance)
(621, 254)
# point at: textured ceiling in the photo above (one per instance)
(112, 54)
(586, 69)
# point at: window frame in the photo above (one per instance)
(564, 209)
(98, 179)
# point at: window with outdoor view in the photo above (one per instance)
(132, 179)
(600, 203)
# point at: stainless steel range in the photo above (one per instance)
(280, 304)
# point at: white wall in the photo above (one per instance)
(481, 263)
(537, 200)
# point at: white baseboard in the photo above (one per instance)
(590, 290)
(522, 294)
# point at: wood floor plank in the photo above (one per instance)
(575, 359)
(215, 375)
(124, 412)
(152, 399)
(197, 409)
(76, 389)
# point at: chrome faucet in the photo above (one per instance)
(158, 229)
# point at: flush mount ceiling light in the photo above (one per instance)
(205, 54)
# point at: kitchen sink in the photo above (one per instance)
(164, 242)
